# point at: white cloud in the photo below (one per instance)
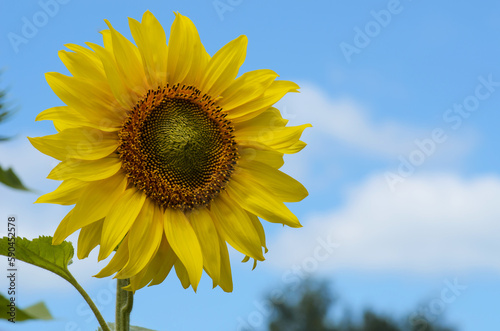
(432, 223)
(348, 122)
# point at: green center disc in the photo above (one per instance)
(182, 143)
(177, 147)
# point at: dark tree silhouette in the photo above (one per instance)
(307, 311)
(306, 308)
(372, 322)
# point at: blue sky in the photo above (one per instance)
(401, 163)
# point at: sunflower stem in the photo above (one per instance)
(91, 304)
(124, 303)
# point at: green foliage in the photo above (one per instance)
(306, 307)
(4, 112)
(372, 322)
(38, 311)
(307, 310)
(422, 324)
(42, 253)
(7, 176)
(55, 258)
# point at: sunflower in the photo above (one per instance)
(166, 155)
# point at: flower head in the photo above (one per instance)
(167, 155)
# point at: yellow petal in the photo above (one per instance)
(87, 170)
(236, 227)
(91, 99)
(278, 183)
(273, 94)
(207, 235)
(261, 203)
(77, 143)
(247, 258)
(117, 262)
(187, 58)
(271, 119)
(128, 61)
(254, 264)
(246, 88)
(139, 280)
(68, 193)
(89, 238)
(200, 58)
(283, 140)
(223, 67)
(182, 274)
(152, 44)
(267, 156)
(82, 63)
(156, 270)
(226, 279)
(295, 148)
(144, 238)
(180, 52)
(93, 205)
(165, 262)
(260, 230)
(62, 231)
(119, 220)
(125, 98)
(107, 40)
(65, 117)
(183, 240)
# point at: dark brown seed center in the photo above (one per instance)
(177, 147)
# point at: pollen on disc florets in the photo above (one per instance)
(177, 147)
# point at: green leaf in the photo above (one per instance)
(9, 178)
(132, 328)
(38, 311)
(42, 253)
(55, 258)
